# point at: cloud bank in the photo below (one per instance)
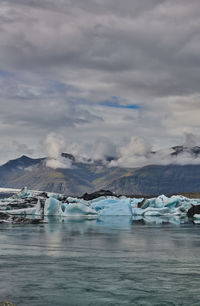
(135, 152)
(92, 69)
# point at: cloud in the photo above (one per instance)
(54, 145)
(135, 153)
(139, 152)
(104, 149)
(61, 59)
(191, 140)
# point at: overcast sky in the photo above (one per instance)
(98, 70)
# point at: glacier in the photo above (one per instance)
(152, 210)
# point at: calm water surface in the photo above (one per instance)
(101, 262)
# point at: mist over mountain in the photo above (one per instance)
(70, 176)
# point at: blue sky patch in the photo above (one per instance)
(115, 103)
(5, 74)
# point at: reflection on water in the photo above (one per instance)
(108, 261)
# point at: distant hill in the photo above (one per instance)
(155, 179)
(88, 177)
(33, 173)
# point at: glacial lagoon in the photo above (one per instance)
(107, 261)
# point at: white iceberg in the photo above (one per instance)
(52, 207)
(24, 192)
(120, 207)
(78, 209)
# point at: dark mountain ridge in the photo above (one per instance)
(90, 176)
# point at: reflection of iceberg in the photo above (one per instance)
(162, 220)
(114, 222)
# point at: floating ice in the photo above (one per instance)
(23, 193)
(22, 212)
(172, 208)
(52, 207)
(38, 209)
(73, 200)
(111, 207)
(78, 209)
(102, 203)
(135, 201)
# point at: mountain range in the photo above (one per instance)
(90, 176)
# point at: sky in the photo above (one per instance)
(98, 74)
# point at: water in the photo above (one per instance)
(108, 262)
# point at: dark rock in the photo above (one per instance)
(27, 202)
(21, 220)
(141, 203)
(140, 222)
(31, 200)
(21, 204)
(69, 156)
(43, 194)
(193, 210)
(90, 196)
(64, 199)
(4, 216)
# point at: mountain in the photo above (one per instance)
(33, 173)
(88, 177)
(177, 150)
(156, 179)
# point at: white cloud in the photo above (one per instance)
(54, 145)
(61, 58)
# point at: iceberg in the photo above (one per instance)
(24, 192)
(23, 211)
(52, 207)
(39, 210)
(136, 201)
(78, 209)
(73, 200)
(120, 207)
(101, 204)
(38, 204)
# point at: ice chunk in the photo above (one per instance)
(100, 199)
(38, 209)
(135, 201)
(53, 195)
(73, 200)
(23, 211)
(52, 207)
(63, 206)
(118, 208)
(78, 209)
(151, 211)
(76, 200)
(137, 211)
(24, 193)
(100, 204)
